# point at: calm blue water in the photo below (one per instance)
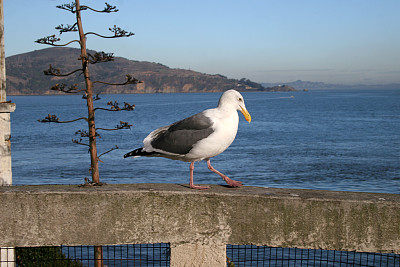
(331, 140)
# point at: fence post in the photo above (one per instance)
(198, 255)
(7, 256)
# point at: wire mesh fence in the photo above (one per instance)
(249, 255)
(78, 256)
(159, 255)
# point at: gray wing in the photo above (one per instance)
(180, 137)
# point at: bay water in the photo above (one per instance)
(346, 140)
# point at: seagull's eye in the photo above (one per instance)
(240, 99)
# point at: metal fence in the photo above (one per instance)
(159, 255)
(78, 256)
(248, 255)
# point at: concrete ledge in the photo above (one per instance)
(7, 107)
(153, 213)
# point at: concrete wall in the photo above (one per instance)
(198, 221)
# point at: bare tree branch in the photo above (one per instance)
(56, 72)
(100, 57)
(67, 28)
(108, 151)
(50, 40)
(114, 106)
(50, 118)
(120, 126)
(107, 9)
(84, 133)
(72, 89)
(129, 80)
(96, 97)
(69, 7)
(72, 8)
(118, 32)
(55, 119)
(79, 142)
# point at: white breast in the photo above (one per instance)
(225, 128)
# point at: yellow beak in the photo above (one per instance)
(246, 114)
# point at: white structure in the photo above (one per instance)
(6, 254)
(5, 110)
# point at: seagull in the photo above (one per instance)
(199, 137)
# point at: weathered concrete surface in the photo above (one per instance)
(152, 213)
(191, 255)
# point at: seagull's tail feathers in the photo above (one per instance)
(139, 152)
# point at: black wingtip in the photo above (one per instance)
(133, 153)
(140, 152)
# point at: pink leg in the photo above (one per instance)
(191, 185)
(229, 181)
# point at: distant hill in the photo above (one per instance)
(25, 75)
(306, 85)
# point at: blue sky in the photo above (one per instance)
(347, 42)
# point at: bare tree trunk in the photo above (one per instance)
(94, 166)
(89, 95)
(98, 256)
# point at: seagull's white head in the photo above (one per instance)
(235, 99)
